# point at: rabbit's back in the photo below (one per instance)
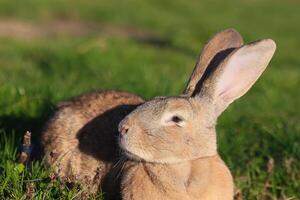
(80, 140)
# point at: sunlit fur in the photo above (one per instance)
(166, 159)
(151, 140)
(181, 161)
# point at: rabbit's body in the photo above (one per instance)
(204, 178)
(170, 142)
(80, 141)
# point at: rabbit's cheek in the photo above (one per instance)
(126, 140)
(122, 143)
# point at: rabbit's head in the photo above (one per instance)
(181, 128)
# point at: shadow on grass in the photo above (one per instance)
(19, 124)
(74, 28)
(163, 43)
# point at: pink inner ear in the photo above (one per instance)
(241, 71)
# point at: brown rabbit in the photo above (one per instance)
(170, 142)
(174, 138)
(80, 140)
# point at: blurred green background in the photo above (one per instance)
(52, 50)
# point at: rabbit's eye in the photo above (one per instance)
(176, 119)
(171, 119)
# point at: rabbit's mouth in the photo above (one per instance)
(131, 155)
(126, 152)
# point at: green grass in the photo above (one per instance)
(36, 73)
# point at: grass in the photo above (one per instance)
(259, 135)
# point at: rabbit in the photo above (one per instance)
(164, 148)
(171, 141)
(80, 139)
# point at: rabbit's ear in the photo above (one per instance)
(227, 39)
(234, 76)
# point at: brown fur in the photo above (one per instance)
(170, 142)
(178, 159)
(80, 139)
(188, 180)
(220, 43)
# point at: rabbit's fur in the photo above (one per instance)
(169, 142)
(80, 140)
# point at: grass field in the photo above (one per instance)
(52, 50)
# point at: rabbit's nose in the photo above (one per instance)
(123, 129)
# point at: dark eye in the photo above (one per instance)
(176, 119)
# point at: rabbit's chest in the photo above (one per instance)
(145, 183)
(210, 179)
(201, 180)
